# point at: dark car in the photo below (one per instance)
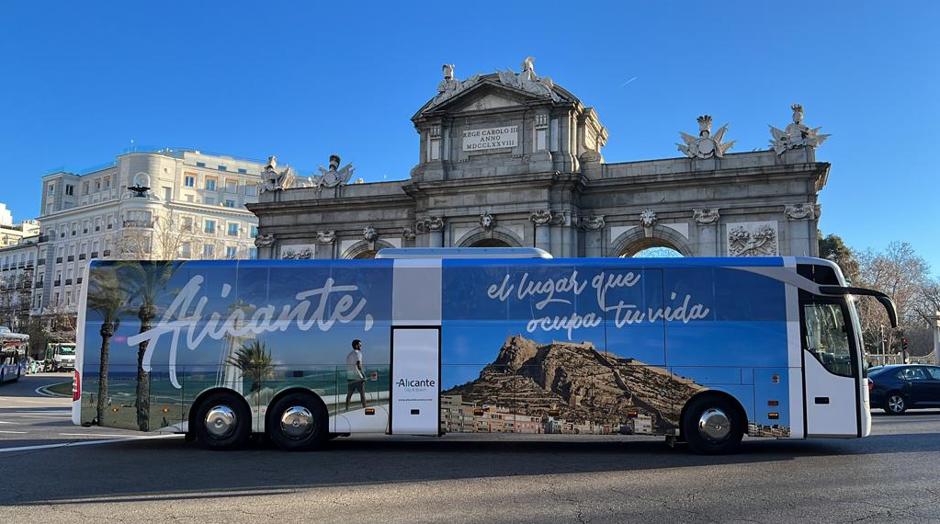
(898, 388)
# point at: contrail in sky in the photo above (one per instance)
(627, 82)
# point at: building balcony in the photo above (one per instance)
(138, 223)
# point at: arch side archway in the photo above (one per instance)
(365, 250)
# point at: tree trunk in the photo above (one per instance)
(106, 332)
(146, 316)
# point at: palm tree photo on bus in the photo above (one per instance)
(106, 297)
(144, 283)
(254, 361)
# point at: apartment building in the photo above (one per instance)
(165, 204)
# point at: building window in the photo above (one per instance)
(231, 251)
(254, 231)
(84, 188)
(97, 184)
(233, 229)
(210, 184)
(243, 171)
(229, 203)
(209, 201)
(200, 164)
(210, 227)
(107, 182)
(187, 224)
(208, 251)
(251, 190)
(189, 198)
(223, 168)
(189, 181)
(186, 250)
(52, 188)
(231, 186)
(253, 253)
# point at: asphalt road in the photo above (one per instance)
(53, 471)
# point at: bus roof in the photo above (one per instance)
(462, 252)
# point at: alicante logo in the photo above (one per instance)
(416, 383)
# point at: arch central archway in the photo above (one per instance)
(656, 242)
(490, 242)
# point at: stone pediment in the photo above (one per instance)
(494, 91)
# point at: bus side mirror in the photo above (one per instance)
(882, 298)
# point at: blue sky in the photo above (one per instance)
(303, 81)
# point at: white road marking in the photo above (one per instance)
(2, 422)
(83, 443)
(97, 435)
(12, 432)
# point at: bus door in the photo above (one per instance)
(830, 368)
(416, 381)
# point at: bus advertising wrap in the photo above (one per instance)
(595, 346)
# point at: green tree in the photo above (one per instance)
(106, 297)
(254, 361)
(832, 247)
(145, 282)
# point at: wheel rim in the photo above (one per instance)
(221, 421)
(297, 422)
(896, 403)
(714, 425)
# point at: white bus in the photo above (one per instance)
(434, 342)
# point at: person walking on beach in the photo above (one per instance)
(355, 378)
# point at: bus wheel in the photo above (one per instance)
(710, 426)
(298, 421)
(222, 421)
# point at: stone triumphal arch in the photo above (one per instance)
(512, 159)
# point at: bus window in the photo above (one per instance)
(827, 337)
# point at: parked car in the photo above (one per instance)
(897, 388)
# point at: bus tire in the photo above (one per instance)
(298, 421)
(710, 426)
(222, 421)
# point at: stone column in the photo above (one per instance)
(266, 245)
(936, 337)
(326, 243)
(706, 220)
(542, 219)
(801, 220)
(432, 228)
(594, 227)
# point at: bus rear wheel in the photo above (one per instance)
(222, 421)
(298, 421)
(711, 426)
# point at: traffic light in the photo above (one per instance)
(903, 343)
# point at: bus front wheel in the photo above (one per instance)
(222, 421)
(711, 426)
(298, 421)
